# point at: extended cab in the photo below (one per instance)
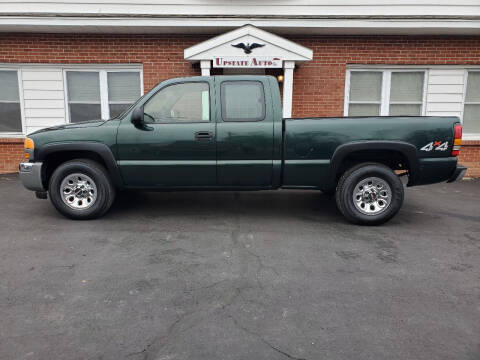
(227, 133)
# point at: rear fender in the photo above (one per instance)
(406, 149)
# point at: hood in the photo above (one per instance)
(79, 125)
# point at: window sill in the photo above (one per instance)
(471, 142)
(470, 137)
(4, 136)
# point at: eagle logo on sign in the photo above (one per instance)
(248, 47)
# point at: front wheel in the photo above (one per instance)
(81, 189)
(369, 194)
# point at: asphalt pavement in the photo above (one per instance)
(240, 275)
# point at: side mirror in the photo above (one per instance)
(137, 117)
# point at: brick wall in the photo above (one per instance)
(318, 85)
(470, 157)
(11, 153)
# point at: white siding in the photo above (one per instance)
(43, 95)
(408, 17)
(42, 85)
(45, 113)
(250, 8)
(445, 92)
(44, 103)
(42, 75)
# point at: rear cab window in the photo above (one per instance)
(242, 101)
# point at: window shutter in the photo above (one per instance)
(473, 87)
(471, 118)
(407, 87)
(9, 86)
(83, 87)
(123, 87)
(364, 110)
(365, 86)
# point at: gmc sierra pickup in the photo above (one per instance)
(227, 133)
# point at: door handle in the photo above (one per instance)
(204, 135)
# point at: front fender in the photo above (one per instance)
(100, 149)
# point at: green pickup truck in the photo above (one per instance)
(227, 133)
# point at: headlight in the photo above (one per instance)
(29, 146)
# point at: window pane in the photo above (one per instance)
(243, 101)
(188, 102)
(406, 86)
(8, 86)
(471, 119)
(473, 87)
(83, 86)
(405, 110)
(365, 86)
(123, 86)
(117, 109)
(363, 110)
(84, 112)
(10, 117)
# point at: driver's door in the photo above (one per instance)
(177, 147)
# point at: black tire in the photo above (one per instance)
(352, 178)
(105, 191)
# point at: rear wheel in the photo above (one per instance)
(369, 194)
(81, 189)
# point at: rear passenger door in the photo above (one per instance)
(244, 132)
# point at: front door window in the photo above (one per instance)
(188, 102)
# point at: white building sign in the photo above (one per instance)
(247, 62)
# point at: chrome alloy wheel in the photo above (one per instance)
(372, 196)
(78, 191)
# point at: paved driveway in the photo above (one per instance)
(265, 275)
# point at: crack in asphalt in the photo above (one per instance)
(186, 322)
(227, 298)
(63, 266)
(262, 339)
(136, 353)
(197, 315)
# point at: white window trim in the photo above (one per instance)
(103, 79)
(468, 136)
(20, 67)
(22, 105)
(386, 86)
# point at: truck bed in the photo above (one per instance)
(310, 143)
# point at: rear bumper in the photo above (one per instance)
(31, 175)
(458, 174)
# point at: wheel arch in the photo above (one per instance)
(385, 152)
(57, 153)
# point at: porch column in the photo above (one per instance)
(205, 67)
(288, 67)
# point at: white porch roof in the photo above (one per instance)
(275, 46)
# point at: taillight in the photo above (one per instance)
(457, 139)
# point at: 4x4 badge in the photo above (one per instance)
(435, 145)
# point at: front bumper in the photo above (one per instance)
(31, 175)
(457, 174)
